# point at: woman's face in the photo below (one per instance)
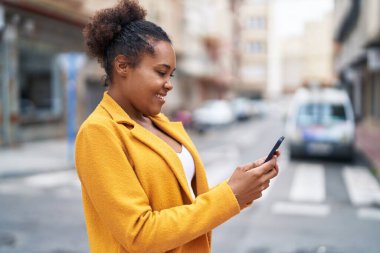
(147, 85)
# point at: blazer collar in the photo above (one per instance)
(177, 131)
(174, 129)
(115, 111)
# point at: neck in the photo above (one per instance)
(129, 109)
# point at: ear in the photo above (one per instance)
(121, 65)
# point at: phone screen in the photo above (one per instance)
(275, 147)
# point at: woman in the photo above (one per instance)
(143, 183)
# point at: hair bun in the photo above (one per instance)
(107, 23)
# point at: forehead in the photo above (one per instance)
(163, 54)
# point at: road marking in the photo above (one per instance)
(219, 153)
(290, 208)
(369, 213)
(63, 183)
(55, 179)
(308, 183)
(362, 187)
(220, 162)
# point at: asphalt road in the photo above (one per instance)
(313, 206)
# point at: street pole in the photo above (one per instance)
(72, 62)
(9, 83)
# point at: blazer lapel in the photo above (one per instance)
(165, 151)
(177, 131)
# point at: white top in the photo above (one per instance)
(188, 166)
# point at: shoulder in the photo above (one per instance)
(99, 117)
(98, 123)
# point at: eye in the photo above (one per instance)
(171, 75)
(160, 73)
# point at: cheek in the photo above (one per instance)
(151, 83)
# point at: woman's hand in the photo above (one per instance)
(249, 180)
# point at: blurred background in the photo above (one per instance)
(248, 71)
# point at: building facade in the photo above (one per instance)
(253, 48)
(357, 55)
(309, 56)
(207, 56)
(33, 35)
(36, 35)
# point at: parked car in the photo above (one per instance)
(213, 113)
(321, 123)
(242, 108)
(260, 107)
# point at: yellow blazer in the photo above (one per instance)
(135, 194)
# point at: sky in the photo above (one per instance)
(291, 15)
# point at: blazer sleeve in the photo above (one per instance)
(121, 203)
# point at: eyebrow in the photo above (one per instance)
(166, 66)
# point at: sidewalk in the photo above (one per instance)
(35, 157)
(368, 141)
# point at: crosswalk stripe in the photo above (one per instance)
(362, 187)
(220, 163)
(308, 188)
(300, 209)
(308, 183)
(369, 213)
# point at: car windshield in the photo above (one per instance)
(321, 114)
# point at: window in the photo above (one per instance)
(321, 114)
(257, 72)
(37, 93)
(256, 23)
(256, 2)
(255, 47)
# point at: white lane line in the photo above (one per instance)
(219, 153)
(218, 172)
(220, 162)
(362, 186)
(290, 208)
(55, 179)
(369, 213)
(283, 165)
(308, 183)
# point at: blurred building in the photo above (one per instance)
(253, 47)
(169, 14)
(357, 54)
(195, 29)
(32, 36)
(206, 64)
(309, 57)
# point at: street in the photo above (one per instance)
(316, 206)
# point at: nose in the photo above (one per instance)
(168, 85)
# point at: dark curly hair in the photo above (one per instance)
(121, 30)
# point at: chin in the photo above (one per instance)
(155, 112)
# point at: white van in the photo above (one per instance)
(321, 122)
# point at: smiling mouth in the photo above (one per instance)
(160, 97)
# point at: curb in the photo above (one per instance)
(370, 163)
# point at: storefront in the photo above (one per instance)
(32, 100)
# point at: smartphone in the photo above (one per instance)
(275, 147)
